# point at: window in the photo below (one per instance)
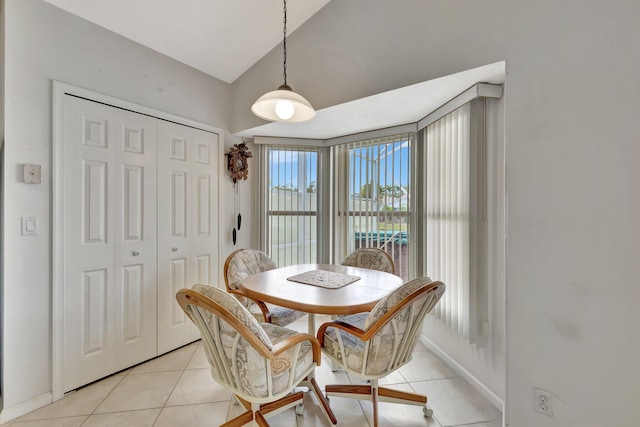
(292, 205)
(371, 194)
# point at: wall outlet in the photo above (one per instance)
(543, 402)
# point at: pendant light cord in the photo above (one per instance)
(284, 43)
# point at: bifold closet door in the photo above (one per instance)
(110, 241)
(188, 166)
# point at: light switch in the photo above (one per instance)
(29, 225)
(32, 174)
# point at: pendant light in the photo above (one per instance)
(283, 104)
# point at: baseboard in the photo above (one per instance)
(19, 410)
(462, 372)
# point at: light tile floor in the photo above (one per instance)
(176, 389)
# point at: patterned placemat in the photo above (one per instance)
(324, 279)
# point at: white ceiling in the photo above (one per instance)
(222, 38)
(405, 105)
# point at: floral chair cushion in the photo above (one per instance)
(381, 354)
(393, 298)
(245, 263)
(238, 364)
(371, 258)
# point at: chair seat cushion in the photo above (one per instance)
(283, 316)
(252, 374)
(284, 368)
(351, 352)
(237, 361)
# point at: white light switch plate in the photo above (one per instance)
(29, 225)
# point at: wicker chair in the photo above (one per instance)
(261, 364)
(372, 345)
(243, 263)
(372, 258)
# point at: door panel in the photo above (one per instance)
(186, 213)
(133, 318)
(135, 234)
(94, 309)
(88, 244)
(109, 240)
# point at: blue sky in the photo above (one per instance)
(393, 160)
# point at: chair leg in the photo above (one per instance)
(256, 412)
(396, 396)
(378, 394)
(240, 420)
(322, 400)
(344, 390)
(281, 404)
(374, 403)
(260, 420)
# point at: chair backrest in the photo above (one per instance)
(240, 351)
(243, 263)
(228, 331)
(394, 324)
(372, 258)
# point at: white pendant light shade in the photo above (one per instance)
(283, 105)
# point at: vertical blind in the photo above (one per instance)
(448, 164)
(371, 191)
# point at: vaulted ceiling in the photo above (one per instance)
(222, 38)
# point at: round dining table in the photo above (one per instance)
(275, 287)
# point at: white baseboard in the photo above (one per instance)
(462, 372)
(19, 410)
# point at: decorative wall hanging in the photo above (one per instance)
(238, 169)
(237, 161)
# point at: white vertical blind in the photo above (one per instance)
(448, 215)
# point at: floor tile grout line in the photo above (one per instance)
(173, 389)
(130, 372)
(177, 382)
(108, 394)
(18, 420)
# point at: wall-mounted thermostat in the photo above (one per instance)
(32, 174)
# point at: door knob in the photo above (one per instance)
(135, 253)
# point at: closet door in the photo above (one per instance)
(187, 217)
(109, 194)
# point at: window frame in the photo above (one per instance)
(265, 191)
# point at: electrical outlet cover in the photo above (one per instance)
(543, 402)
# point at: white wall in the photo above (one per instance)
(572, 169)
(45, 43)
